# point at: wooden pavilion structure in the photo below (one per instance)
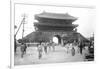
(54, 24)
(49, 25)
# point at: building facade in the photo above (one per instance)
(56, 25)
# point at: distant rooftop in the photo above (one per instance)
(56, 16)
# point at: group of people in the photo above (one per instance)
(77, 47)
(71, 48)
(44, 47)
(41, 47)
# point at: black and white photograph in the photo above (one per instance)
(53, 34)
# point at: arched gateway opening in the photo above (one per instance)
(57, 39)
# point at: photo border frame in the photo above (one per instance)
(12, 22)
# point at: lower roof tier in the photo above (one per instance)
(55, 25)
(53, 28)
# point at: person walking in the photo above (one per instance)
(73, 51)
(40, 51)
(23, 49)
(81, 47)
(45, 48)
(53, 46)
(67, 48)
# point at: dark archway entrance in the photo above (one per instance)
(58, 38)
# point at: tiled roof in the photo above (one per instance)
(53, 24)
(36, 36)
(56, 16)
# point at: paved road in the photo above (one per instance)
(59, 55)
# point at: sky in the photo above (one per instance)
(86, 17)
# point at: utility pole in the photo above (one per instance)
(24, 17)
(22, 22)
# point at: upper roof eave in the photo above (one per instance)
(56, 16)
